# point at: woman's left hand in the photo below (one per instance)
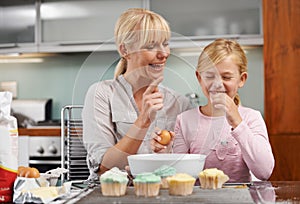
(159, 148)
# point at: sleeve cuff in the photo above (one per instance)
(239, 129)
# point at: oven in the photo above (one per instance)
(44, 152)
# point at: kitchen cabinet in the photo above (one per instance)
(87, 25)
(282, 73)
(17, 23)
(201, 21)
(80, 25)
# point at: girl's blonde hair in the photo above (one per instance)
(140, 27)
(217, 51)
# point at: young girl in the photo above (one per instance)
(233, 137)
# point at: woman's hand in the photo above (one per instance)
(157, 147)
(223, 102)
(151, 103)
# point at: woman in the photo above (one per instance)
(120, 115)
(233, 137)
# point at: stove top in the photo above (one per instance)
(49, 123)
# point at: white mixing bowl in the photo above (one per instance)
(191, 164)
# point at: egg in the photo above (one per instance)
(34, 173)
(21, 171)
(28, 172)
(165, 137)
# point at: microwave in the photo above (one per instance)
(35, 110)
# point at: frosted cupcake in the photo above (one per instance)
(181, 184)
(114, 182)
(164, 172)
(146, 184)
(212, 178)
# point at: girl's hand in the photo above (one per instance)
(157, 147)
(223, 102)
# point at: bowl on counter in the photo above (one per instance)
(191, 164)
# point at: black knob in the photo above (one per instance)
(52, 149)
(40, 150)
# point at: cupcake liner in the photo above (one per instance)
(113, 189)
(181, 188)
(146, 189)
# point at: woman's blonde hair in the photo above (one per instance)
(217, 51)
(137, 25)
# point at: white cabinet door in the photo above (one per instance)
(17, 26)
(205, 20)
(85, 21)
(211, 17)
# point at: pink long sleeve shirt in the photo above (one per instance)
(236, 152)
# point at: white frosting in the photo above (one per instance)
(114, 175)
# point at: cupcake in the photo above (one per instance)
(212, 178)
(114, 182)
(164, 172)
(181, 184)
(146, 184)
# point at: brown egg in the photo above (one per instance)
(33, 173)
(28, 172)
(165, 137)
(21, 171)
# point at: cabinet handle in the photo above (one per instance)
(8, 45)
(80, 43)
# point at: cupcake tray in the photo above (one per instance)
(223, 195)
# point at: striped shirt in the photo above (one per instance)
(110, 109)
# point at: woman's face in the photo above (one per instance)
(150, 60)
(222, 78)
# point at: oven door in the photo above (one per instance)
(45, 163)
(44, 152)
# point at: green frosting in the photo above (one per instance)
(114, 175)
(147, 178)
(165, 171)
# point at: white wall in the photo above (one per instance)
(66, 77)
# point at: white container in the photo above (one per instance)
(191, 164)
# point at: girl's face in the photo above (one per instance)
(150, 60)
(222, 78)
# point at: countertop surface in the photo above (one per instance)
(223, 195)
(257, 192)
(40, 131)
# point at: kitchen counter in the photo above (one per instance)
(40, 131)
(257, 192)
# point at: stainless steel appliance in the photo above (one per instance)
(44, 152)
(29, 112)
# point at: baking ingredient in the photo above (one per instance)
(165, 137)
(8, 148)
(28, 172)
(45, 192)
